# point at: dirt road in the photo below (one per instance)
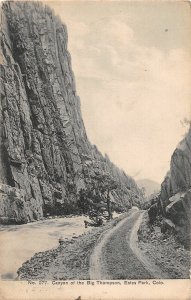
(107, 252)
(117, 255)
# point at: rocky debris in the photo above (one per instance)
(162, 247)
(44, 148)
(61, 241)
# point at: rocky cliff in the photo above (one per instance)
(46, 157)
(174, 201)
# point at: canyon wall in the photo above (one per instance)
(45, 155)
(174, 201)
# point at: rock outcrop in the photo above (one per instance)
(46, 157)
(174, 201)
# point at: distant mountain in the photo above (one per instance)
(149, 185)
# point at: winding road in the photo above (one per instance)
(117, 255)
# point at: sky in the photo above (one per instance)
(132, 67)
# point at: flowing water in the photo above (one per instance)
(19, 243)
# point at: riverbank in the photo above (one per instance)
(20, 242)
(164, 250)
(68, 261)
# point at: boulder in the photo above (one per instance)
(152, 212)
(179, 212)
(167, 224)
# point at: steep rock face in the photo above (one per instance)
(178, 178)
(45, 152)
(175, 197)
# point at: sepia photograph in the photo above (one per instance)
(95, 149)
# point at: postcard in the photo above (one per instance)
(95, 150)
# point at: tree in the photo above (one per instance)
(107, 184)
(97, 194)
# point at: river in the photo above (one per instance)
(19, 243)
